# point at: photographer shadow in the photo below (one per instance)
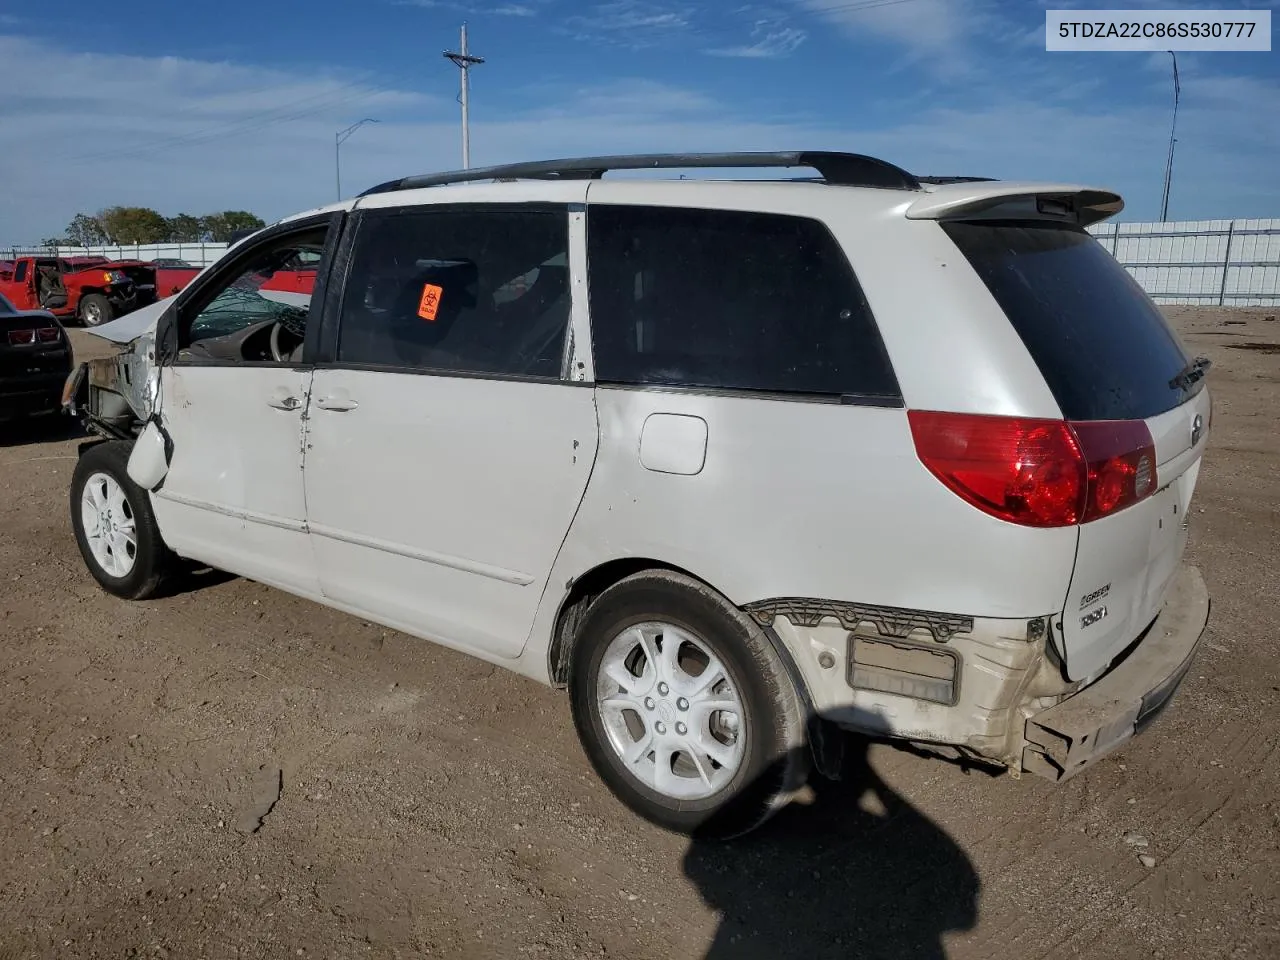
(855, 874)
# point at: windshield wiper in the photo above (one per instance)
(1189, 374)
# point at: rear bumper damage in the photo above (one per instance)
(1064, 739)
(984, 689)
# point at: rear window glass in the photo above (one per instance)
(729, 300)
(1103, 347)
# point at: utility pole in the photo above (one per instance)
(464, 62)
(1168, 164)
(339, 139)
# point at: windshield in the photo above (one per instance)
(1102, 345)
(6, 306)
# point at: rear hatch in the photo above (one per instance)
(1136, 401)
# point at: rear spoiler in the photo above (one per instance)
(1008, 200)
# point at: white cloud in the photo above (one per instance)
(224, 136)
(639, 98)
(927, 26)
(631, 23)
(770, 39)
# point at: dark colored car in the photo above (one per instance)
(35, 361)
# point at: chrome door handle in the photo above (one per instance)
(283, 401)
(336, 403)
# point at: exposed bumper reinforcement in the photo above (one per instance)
(1066, 738)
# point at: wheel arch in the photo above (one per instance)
(582, 591)
(586, 587)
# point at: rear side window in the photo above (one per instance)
(480, 291)
(729, 300)
(20, 272)
(1103, 347)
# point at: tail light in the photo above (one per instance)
(1121, 459)
(25, 338)
(1038, 473)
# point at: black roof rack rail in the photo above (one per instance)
(843, 169)
(942, 180)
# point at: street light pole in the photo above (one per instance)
(339, 139)
(1168, 164)
(464, 62)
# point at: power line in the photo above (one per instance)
(280, 113)
(321, 101)
(346, 93)
(857, 6)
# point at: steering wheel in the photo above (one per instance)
(278, 352)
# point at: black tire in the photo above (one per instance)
(95, 310)
(775, 760)
(153, 562)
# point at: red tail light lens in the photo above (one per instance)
(1121, 460)
(1037, 473)
(47, 334)
(1025, 471)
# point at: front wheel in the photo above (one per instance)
(95, 309)
(684, 707)
(114, 526)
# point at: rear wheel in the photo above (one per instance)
(95, 309)
(114, 526)
(684, 707)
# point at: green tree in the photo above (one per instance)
(85, 230)
(134, 225)
(220, 226)
(184, 228)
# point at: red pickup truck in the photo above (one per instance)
(93, 289)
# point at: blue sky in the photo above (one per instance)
(202, 106)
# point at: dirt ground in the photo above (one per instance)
(434, 806)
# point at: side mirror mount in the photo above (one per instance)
(167, 336)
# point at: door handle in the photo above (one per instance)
(336, 403)
(283, 400)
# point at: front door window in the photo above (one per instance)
(259, 314)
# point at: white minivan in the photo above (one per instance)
(739, 463)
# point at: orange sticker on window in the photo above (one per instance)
(429, 305)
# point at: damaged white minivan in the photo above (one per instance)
(739, 463)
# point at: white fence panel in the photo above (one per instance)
(1232, 263)
(196, 254)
